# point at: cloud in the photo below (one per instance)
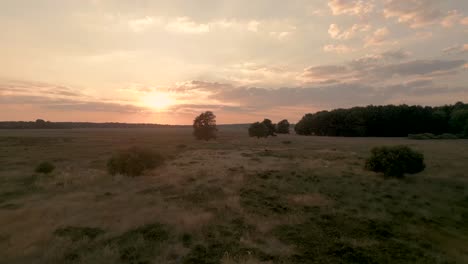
(421, 13)
(57, 97)
(336, 33)
(456, 49)
(340, 48)
(395, 54)
(240, 25)
(94, 107)
(377, 38)
(386, 67)
(251, 73)
(464, 21)
(253, 25)
(327, 74)
(308, 98)
(276, 28)
(45, 102)
(381, 78)
(317, 12)
(370, 61)
(419, 67)
(280, 35)
(351, 7)
(187, 25)
(453, 18)
(137, 88)
(415, 13)
(424, 35)
(258, 99)
(17, 87)
(141, 24)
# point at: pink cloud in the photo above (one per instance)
(340, 48)
(351, 7)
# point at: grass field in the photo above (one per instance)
(287, 199)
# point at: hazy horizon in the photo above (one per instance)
(160, 62)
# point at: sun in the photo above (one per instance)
(158, 100)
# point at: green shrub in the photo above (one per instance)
(422, 136)
(133, 162)
(45, 167)
(258, 130)
(395, 161)
(447, 136)
(426, 136)
(270, 126)
(282, 127)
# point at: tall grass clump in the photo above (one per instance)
(133, 162)
(395, 161)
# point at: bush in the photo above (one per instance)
(258, 130)
(395, 161)
(45, 167)
(426, 136)
(133, 162)
(422, 136)
(448, 136)
(282, 127)
(270, 126)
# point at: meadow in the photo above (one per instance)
(284, 199)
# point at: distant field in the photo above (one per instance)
(286, 199)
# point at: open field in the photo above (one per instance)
(286, 199)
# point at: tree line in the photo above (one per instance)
(42, 124)
(386, 121)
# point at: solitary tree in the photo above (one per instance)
(270, 126)
(258, 130)
(282, 127)
(204, 126)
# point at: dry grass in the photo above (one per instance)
(312, 199)
(233, 200)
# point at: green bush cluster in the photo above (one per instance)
(133, 162)
(45, 167)
(395, 161)
(282, 127)
(426, 136)
(258, 130)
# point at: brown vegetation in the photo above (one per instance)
(236, 200)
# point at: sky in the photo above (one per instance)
(167, 61)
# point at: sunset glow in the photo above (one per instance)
(100, 60)
(158, 100)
